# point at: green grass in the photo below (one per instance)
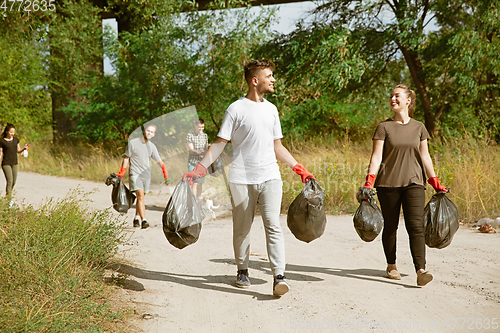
(52, 262)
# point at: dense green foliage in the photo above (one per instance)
(339, 66)
(24, 99)
(51, 264)
(193, 59)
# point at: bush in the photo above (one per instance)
(51, 259)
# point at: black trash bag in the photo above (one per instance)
(216, 168)
(306, 215)
(368, 220)
(182, 216)
(440, 221)
(121, 196)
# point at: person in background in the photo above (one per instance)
(197, 144)
(252, 124)
(400, 151)
(138, 153)
(9, 148)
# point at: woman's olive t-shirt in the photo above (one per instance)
(401, 160)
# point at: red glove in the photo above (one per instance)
(198, 172)
(370, 180)
(302, 171)
(122, 172)
(434, 182)
(164, 170)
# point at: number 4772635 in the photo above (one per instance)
(472, 323)
(28, 5)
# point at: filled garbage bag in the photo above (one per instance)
(121, 196)
(440, 221)
(216, 168)
(368, 220)
(306, 215)
(182, 216)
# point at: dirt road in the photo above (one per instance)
(338, 282)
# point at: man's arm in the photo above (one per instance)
(164, 170)
(124, 166)
(191, 149)
(214, 151)
(125, 162)
(283, 154)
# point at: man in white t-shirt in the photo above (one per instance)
(252, 124)
(138, 153)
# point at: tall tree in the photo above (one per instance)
(471, 31)
(388, 28)
(75, 50)
(180, 60)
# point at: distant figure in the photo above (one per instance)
(400, 148)
(197, 144)
(210, 206)
(252, 124)
(9, 148)
(138, 153)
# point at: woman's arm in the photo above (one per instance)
(19, 150)
(376, 158)
(426, 159)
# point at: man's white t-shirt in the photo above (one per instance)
(252, 127)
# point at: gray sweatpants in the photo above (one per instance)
(267, 197)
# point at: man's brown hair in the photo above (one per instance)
(252, 67)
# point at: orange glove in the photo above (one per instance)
(164, 170)
(370, 180)
(122, 172)
(198, 172)
(434, 182)
(302, 171)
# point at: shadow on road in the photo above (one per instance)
(293, 272)
(210, 282)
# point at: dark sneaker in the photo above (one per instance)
(280, 286)
(145, 224)
(242, 280)
(136, 223)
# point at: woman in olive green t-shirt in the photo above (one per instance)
(401, 156)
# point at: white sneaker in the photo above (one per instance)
(280, 286)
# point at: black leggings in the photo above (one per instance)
(412, 198)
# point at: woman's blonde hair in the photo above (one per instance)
(411, 94)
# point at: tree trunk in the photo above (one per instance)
(418, 76)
